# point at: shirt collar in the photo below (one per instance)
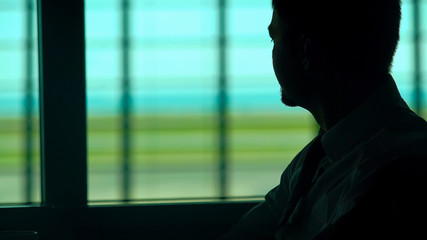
(342, 137)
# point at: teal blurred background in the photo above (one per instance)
(155, 102)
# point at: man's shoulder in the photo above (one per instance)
(386, 202)
(402, 133)
(395, 157)
(408, 169)
(405, 120)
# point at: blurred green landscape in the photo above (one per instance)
(173, 156)
(178, 149)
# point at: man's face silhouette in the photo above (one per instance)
(285, 63)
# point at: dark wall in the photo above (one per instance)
(173, 221)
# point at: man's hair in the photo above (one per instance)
(362, 35)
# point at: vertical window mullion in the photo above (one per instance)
(417, 57)
(126, 104)
(63, 103)
(222, 100)
(29, 46)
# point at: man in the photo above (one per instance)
(364, 175)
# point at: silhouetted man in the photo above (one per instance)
(364, 175)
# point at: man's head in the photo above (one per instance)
(359, 38)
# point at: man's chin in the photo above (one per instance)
(288, 102)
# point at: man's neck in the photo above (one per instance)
(340, 99)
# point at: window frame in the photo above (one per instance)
(62, 114)
(64, 212)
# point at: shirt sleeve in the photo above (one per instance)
(260, 222)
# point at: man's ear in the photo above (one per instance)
(307, 52)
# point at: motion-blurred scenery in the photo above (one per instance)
(182, 101)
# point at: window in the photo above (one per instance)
(19, 111)
(151, 99)
(173, 111)
(160, 82)
(204, 123)
(408, 66)
(183, 103)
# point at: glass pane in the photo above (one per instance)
(265, 135)
(403, 66)
(19, 105)
(403, 70)
(153, 75)
(103, 97)
(154, 138)
(423, 33)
